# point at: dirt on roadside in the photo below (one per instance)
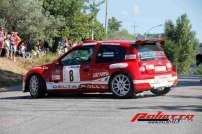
(11, 72)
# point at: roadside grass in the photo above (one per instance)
(45, 59)
(36, 61)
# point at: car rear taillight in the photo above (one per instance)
(142, 69)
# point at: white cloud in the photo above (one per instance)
(136, 10)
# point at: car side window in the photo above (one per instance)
(110, 53)
(78, 56)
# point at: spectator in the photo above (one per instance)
(12, 49)
(14, 41)
(7, 45)
(46, 47)
(37, 49)
(22, 50)
(1, 39)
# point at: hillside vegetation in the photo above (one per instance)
(11, 72)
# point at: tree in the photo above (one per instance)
(22, 16)
(51, 19)
(2, 22)
(114, 25)
(91, 8)
(121, 35)
(181, 43)
(80, 18)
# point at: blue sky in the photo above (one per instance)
(148, 13)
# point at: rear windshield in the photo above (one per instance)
(150, 51)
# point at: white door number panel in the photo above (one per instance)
(71, 73)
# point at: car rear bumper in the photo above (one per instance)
(157, 82)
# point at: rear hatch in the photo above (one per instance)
(152, 59)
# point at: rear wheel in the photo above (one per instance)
(37, 87)
(161, 91)
(121, 86)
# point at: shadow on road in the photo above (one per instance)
(79, 96)
(67, 96)
(186, 97)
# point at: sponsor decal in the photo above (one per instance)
(108, 55)
(161, 117)
(56, 77)
(63, 86)
(93, 86)
(100, 83)
(53, 86)
(106, 78)
(56, 73)
(100, 74)
(130, 57)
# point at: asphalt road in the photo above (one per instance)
(100, 113)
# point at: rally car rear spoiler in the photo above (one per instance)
(142, 41)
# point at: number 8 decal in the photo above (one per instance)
(71, 76)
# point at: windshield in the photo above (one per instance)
(78, 56)
(150, 51)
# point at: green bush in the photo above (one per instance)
(198, 70)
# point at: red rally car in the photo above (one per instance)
(121, 67)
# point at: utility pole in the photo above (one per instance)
(106, 17)
(92, 32)
(135, 30)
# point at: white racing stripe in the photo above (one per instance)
(118, 65)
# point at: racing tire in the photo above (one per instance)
(161, 91)
(121, 86)
(37, 86)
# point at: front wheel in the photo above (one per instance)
(161, 91)
(121, 86)
(36, 86)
